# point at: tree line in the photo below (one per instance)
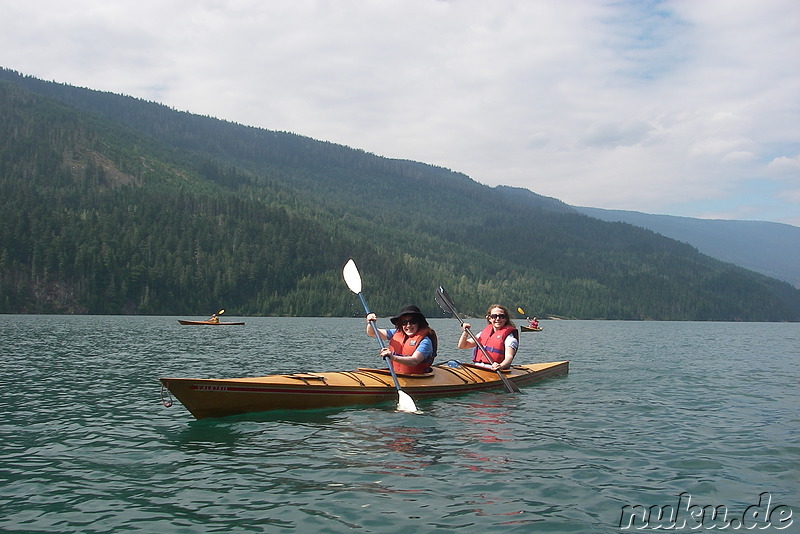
(189, 214)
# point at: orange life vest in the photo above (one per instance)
(494, 343)
(404, 345)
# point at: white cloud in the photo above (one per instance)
(635, 105)
(785, 166)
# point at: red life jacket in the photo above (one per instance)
(494, 343)
(406, 346)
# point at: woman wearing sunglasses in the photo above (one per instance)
(500, 338)
(412, 345)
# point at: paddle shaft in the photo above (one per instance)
(478, 343)
(380, 342)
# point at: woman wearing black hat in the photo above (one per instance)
(412, 345)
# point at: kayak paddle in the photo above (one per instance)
(353, 280)
(444, 302)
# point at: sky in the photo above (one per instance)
(678, 107)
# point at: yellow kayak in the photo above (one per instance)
(222, 397)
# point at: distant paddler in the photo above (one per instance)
(532, 323)
(214, 317)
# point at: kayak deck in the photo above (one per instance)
(222, 397)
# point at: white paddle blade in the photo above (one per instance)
(351, 276)
(405, 403)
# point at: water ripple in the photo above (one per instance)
(649, 410)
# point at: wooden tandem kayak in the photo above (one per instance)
(531, 328)
(220, 323)
(299, 391)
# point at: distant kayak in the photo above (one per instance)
(531, 328)
(213, 323)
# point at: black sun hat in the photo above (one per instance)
(409, 310)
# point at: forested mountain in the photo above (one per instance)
(116, 205)
(766, 247)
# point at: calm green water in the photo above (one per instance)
(649, 411)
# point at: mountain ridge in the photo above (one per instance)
(769, 248)
(117, 205)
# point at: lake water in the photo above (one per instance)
(650, 413)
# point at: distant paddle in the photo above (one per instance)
(444, 302)
(521, 311)
(353, 280)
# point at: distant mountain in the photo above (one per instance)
(768, 248)
(111, 204)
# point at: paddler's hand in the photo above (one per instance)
(463, 342)
(495, 366)
(371, 317)
(386, 353)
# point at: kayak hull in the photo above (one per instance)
(531, 328)
(302, 391)
(207, 323)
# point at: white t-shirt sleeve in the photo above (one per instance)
(512, 342)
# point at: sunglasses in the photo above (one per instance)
(407, 321)
(497, 316)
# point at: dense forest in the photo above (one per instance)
(115, 205)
